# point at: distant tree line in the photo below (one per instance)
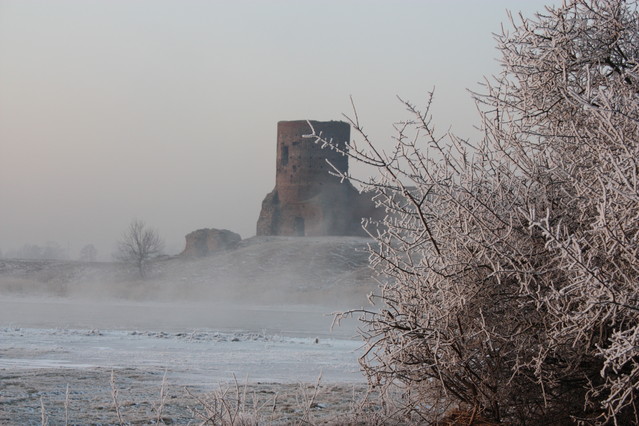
(51, 250)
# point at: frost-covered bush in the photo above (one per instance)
(509, 268)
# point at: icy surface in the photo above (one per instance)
(197, 344)
(194, 358)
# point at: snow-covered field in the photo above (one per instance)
(285, 344)
(47, 344)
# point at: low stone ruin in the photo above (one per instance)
(204, 242)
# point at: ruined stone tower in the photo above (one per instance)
(307, 200)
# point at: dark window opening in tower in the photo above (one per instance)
(298, 226)
(284, 160)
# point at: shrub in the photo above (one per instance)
(509, 268)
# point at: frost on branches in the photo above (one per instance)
(509, 268)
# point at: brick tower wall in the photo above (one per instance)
(302, 171)
(307, 200)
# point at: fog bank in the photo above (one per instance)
(280, 284)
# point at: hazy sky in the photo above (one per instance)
(166, 110)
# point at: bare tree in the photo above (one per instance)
(509, 267)
(139, 244)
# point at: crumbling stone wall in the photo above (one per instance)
(307, 200)
(207, 241)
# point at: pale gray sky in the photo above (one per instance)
(166, 110)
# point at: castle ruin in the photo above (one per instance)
(307, 199)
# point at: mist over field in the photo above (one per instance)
(322, 273)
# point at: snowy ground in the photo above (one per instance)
(260, 313)
(264, 344)
(47, 344)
